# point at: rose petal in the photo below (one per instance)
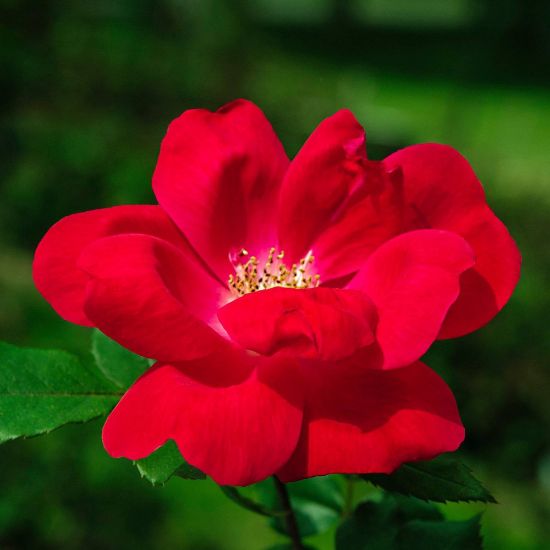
(413, 280)
(336, 202)
(441, 186)
(319, 323)
(152, 297)
(360, 420)
(217, 176)
(55, 272)
(235, 417)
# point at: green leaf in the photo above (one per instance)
(323, 490)
(117, 363)
(374, 525)
(186, 471)
(370, 526)
(442, 535)
(440, 480)
(405, 523)
(123, 367)
(41, 390)
(245, 502)
(165, 462)
(317, 503)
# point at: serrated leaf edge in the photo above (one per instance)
(490, 499)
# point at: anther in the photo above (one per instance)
(273, 273)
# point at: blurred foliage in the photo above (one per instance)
(88, 89)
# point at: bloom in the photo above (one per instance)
(287, 304)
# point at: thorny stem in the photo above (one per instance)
(290, 518)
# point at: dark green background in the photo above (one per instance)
(88, 89)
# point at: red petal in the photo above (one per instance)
(320, 323)
(441, 186)
(152, 297)
(361, 420)
(235, 417)
(413, 279)
(55, 272)
(336, 202)
(218, 176)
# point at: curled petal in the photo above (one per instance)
(413, 280)
(322, 323)
(151, 297)
(55, 270)
(335, 201)
(218, 176)
(235, 417)
(442, 188)
(361, 420)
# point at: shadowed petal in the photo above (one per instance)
(441, 186)
(413, 280)
(152, 297)
(55, 270)
(218, 176)
(361, 420)
(335, 201)
(322, 323)
(235, 417)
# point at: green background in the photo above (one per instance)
(88, 89)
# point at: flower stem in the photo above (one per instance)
(348, 502)
(290, 518)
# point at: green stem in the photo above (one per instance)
(290, 518)
(348, 502)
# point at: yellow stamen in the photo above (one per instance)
(250, 276)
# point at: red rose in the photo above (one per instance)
(286, 303)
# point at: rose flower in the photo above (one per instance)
(287, 304)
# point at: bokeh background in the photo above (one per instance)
(88, 89)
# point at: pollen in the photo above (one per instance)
(252, 275)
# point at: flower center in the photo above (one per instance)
(250, 276)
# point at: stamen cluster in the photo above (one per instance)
(250, 276)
